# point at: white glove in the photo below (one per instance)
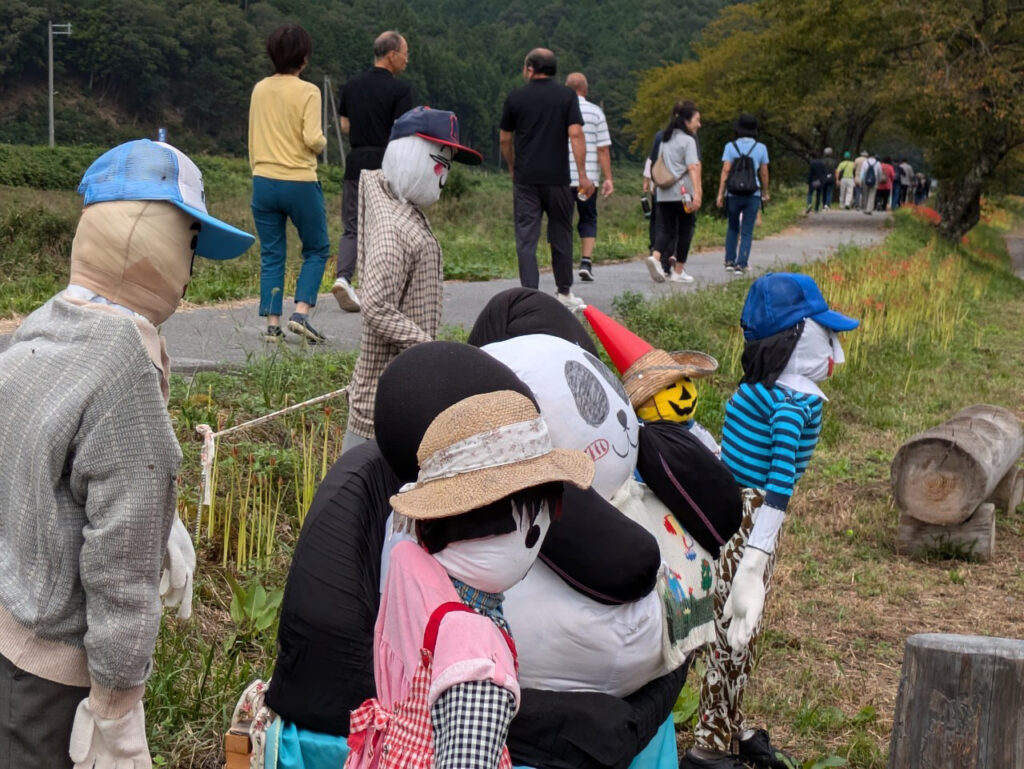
(745, 603)
(109, 743)
(179, 566)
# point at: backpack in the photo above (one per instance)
(742, 178)
(870, 177)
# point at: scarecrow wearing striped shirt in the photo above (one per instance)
(772, 424)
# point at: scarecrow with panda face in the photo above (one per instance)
(772, 424)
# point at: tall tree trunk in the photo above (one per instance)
(959, 201)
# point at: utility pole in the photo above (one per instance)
(54, 29)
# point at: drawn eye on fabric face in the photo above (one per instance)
(591, 398)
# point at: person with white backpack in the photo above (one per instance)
(871, 173)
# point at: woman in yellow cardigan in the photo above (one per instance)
(284, 139)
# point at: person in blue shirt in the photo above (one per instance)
(772, 424)
(742, 209)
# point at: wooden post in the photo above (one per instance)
(960, 704)
(974, 538)
(942, 475)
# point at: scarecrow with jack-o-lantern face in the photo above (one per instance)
(771, 428)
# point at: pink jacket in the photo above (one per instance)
(470, 647)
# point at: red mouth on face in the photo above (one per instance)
(831, 365)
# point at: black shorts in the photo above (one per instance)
(587, 211)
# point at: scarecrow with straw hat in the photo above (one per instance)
(772, 424)
(489, 483)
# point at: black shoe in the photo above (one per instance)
(727, 761)
(299, 324)
(759, 752)
(586, 271)
(273, 334)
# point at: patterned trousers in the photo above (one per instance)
(720, 717)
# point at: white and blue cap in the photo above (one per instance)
(148, 170)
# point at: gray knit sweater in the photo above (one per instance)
(88, 461)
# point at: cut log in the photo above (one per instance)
(974, 538)
(960, 704)
(1010, 491)
(943, 474)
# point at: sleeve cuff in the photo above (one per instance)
(776, 500)
(113, 703)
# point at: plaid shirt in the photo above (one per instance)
(400, 286)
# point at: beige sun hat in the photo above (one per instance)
(657, 369)
(482, 449)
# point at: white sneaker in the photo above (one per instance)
(570, 301)
(345, 295)
(680, 277)
(654, 267)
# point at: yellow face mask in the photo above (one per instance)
(675, 403)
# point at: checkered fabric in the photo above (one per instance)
(488, 604)
(400, 289)
(470, 725)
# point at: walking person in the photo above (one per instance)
(845, 177)
(742, 209)
(816, 173)
(871, 174)
(535, 121)
(370, 103)
(679, 200)
(285, 137)
(858, 190)
(885, 181)
(828, 183)
(649, 186)
(598, 163)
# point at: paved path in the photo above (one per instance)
(226, 335)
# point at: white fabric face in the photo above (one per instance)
(416, 169)
(581, 400)
(816, 353)
(494, 564)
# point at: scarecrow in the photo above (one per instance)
(89, 458)
(772, 424)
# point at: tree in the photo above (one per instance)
(958, 86)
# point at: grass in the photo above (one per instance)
(843, 602)
(473, 222)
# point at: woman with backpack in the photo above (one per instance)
(741, 188)
(676, 172)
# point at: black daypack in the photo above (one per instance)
(870, 177)
(742, 178)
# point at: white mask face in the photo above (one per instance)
(494, 564)
(816, 353)
(417, 169)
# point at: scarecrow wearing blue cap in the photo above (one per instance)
(88, 460)
(772, 425)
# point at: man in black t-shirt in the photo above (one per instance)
(535, 121)
(370, 103)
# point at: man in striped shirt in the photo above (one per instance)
(772, 424)
(598, 162)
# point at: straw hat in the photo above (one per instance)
(482, 449)
(658, 369)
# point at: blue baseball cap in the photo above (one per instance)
(436, 125)
(780, 300)
(148, 170)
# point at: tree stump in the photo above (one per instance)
(960, 704)
(942, 475)
(974, 538)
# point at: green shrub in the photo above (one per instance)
(35, 246)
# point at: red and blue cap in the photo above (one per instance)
(780, 300)
(436, 125)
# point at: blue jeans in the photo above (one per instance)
(274, 201)
(742, 212)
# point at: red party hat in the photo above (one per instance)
(623, 346)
